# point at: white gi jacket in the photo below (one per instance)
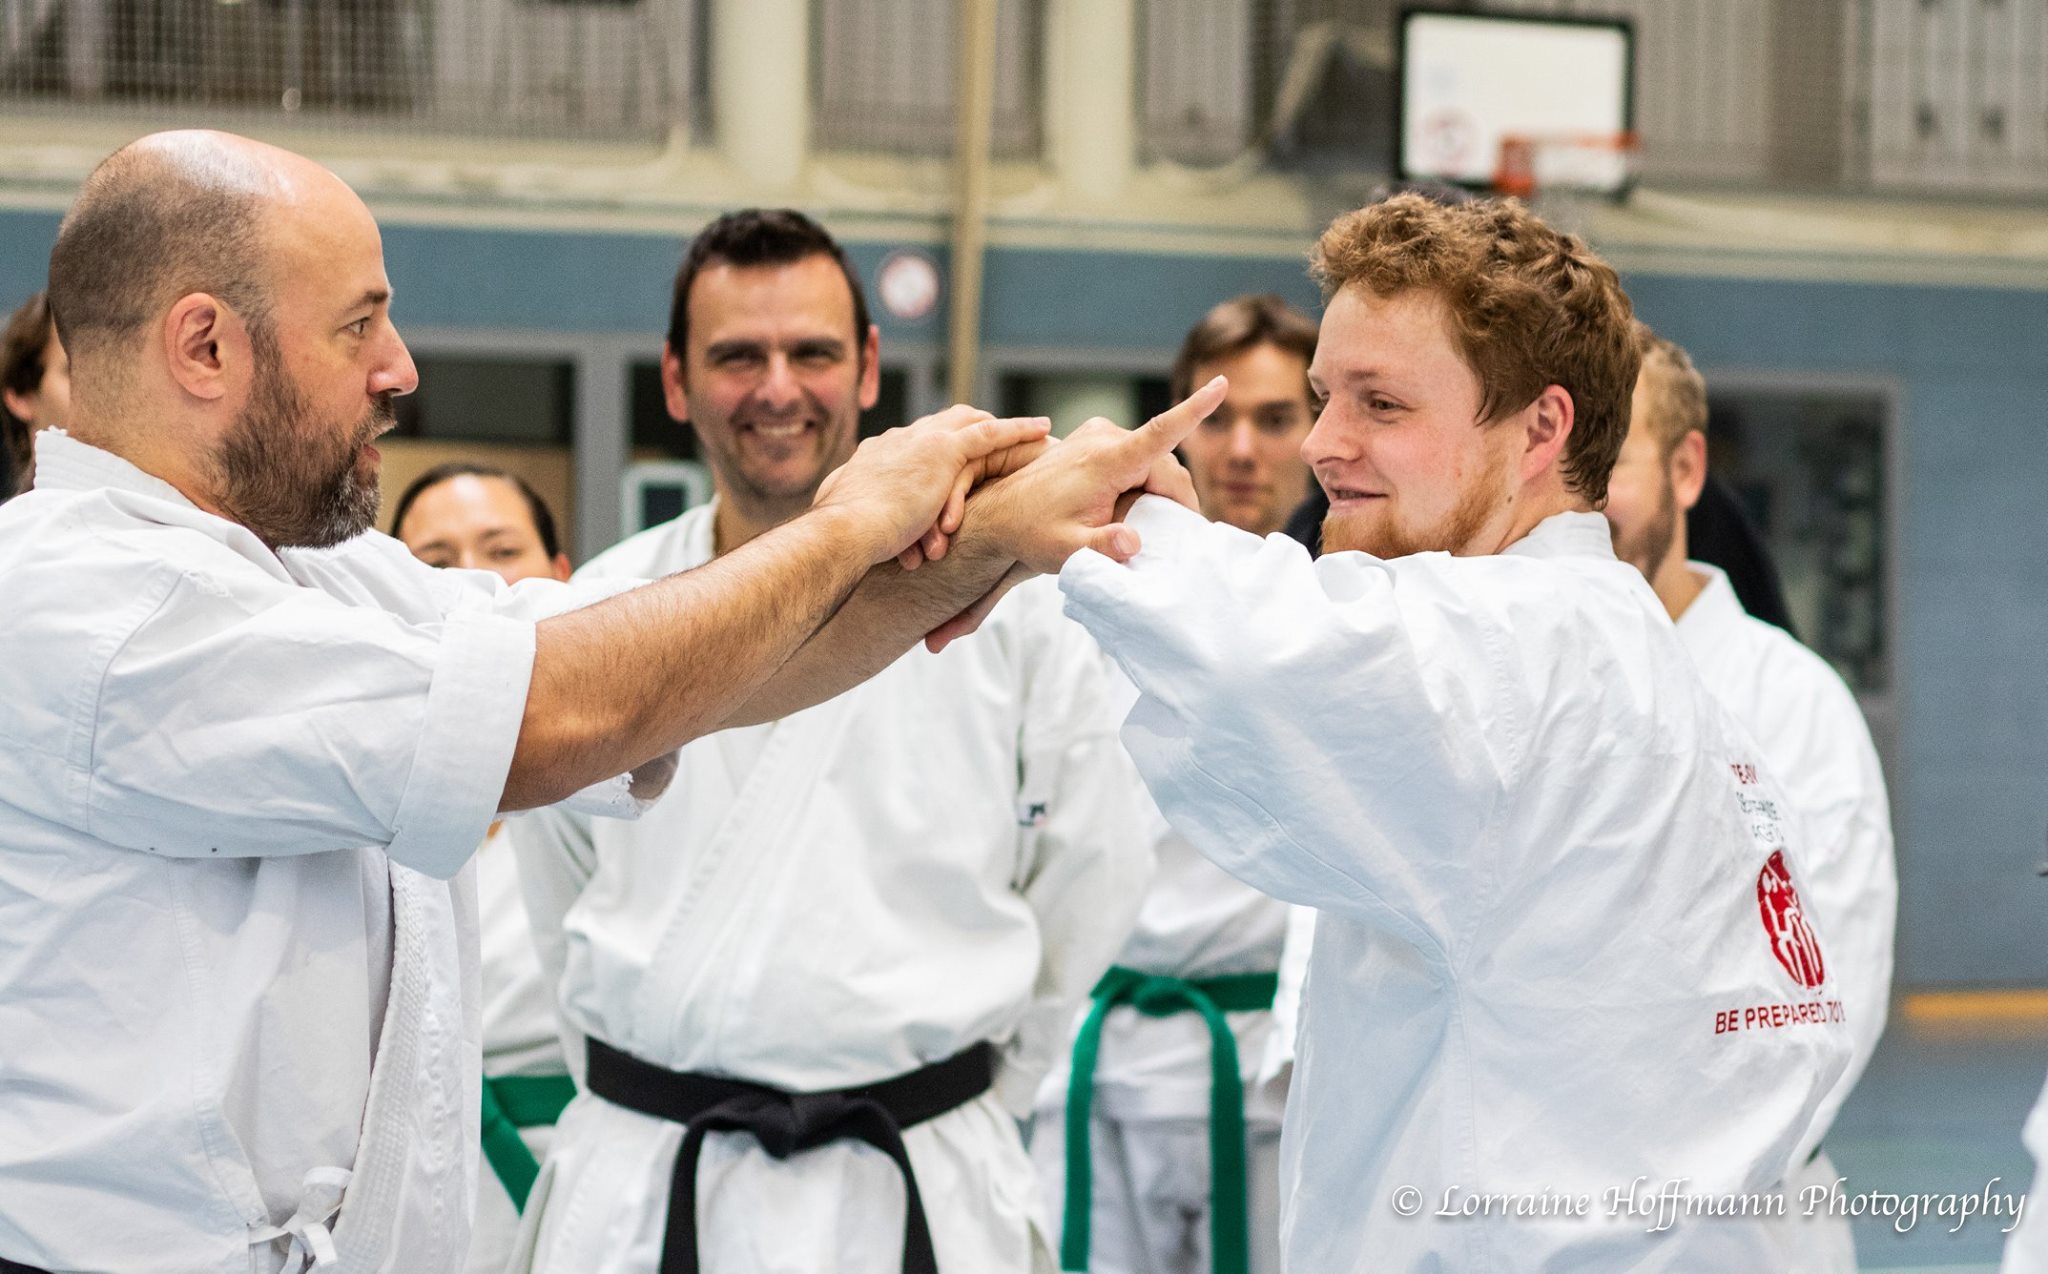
(521, 1035)
(241, 992)
(1559, 946)
(2026, 1248)
(1300, 940)
(1197, 921)
(947, 854)
(1816, 743)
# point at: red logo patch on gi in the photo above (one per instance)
(1792, 939)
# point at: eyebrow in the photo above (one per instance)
(748, 344)
(371, 297)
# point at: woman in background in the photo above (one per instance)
(35, 390)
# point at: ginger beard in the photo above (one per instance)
(296, 481)
(1380, 531)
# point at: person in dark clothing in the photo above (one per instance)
(1720, 533)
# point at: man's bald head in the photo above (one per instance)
(167, 216)
(228, 316)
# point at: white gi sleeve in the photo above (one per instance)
(378, 571)
(1087, 859)
(626, 795)
(245, 716)
(1299, 725)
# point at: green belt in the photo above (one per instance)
(1229, 1230)
(512, 1102)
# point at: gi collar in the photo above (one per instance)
(1571, 534)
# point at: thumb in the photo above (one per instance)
(1116, 541)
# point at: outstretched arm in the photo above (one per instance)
(641, 674)
(1028, 520)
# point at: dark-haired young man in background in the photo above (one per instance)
(911, 886)
(479, 517)
(1159, 1180)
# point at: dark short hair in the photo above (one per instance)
(757, 237)
(22, 344)
(543, 520)
(1240, 324)
(146, 230)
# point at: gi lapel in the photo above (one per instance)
(407, 1202)
(738, 852)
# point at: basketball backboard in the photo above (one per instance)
(1474, 84)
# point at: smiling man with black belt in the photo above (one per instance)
(855, 946)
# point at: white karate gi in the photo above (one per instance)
(1301, 937)
(521, 1035)
(240, 1004)
(1547, 866)
(1149, 1142)
(2026, 1249)
(1816, 743)
(947, 854)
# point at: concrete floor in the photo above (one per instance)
(1939, 1110)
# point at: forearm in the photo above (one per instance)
(889, 612)
(625, 680)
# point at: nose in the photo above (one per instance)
(1243, 442)
(395, 373)
(779, 389)
(1324, 442)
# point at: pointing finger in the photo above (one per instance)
(1164, 432)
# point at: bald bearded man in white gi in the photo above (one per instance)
(909, 888)
(1800, 713)
(245, 744)
(1560, 959)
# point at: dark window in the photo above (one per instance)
(475, 398)
(1809, 469)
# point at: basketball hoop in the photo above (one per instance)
(1579, 163)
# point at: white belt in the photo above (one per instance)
(312, 1245)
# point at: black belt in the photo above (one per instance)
(16, 1267)
(785, 1123)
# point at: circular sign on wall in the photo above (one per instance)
(908, 283)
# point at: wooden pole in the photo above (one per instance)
(977, 104)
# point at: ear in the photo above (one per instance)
(561, 567)
(1689, 469)
(1548, 422)
(672, 391)
(20, 406)
(206, 346)
(871, 368)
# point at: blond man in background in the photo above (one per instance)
(1801, 714)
